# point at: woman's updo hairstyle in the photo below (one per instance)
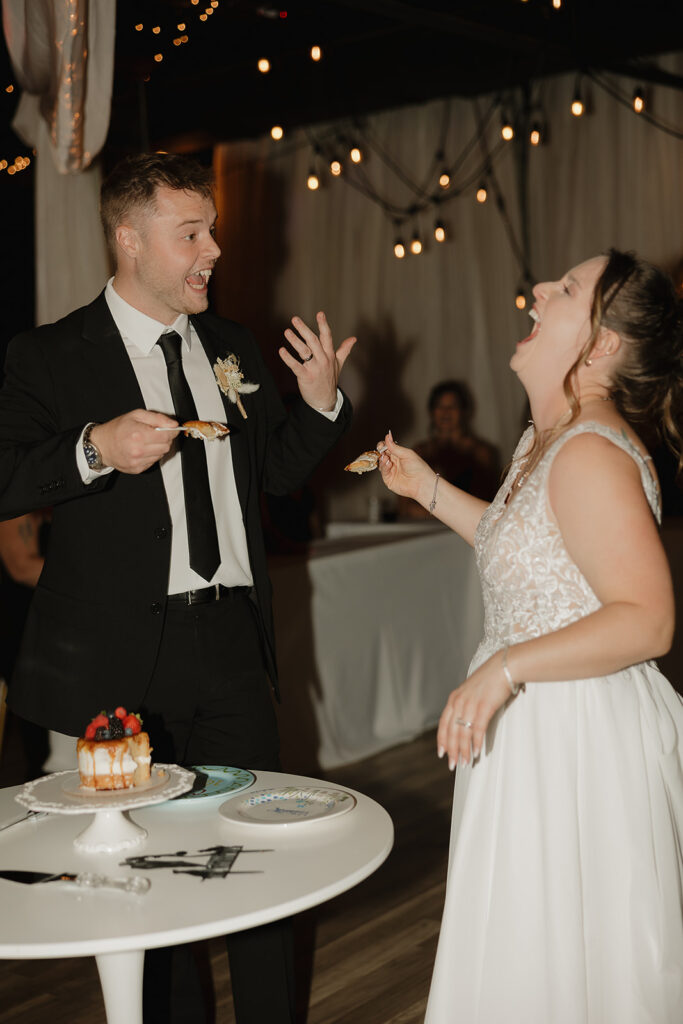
(639, 303)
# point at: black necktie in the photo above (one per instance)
(201, 522)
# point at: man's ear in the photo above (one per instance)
(127, 240)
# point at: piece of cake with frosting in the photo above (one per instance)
(115, 752)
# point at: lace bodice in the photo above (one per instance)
(530, 584)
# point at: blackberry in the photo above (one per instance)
(101, 733)
(115, 728)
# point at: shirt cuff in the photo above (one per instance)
(88, 474)
(331, 414)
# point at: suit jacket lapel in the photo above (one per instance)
(113, 376)
(216, 345)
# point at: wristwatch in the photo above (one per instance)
(92, 453)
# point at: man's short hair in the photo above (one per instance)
(133, 183)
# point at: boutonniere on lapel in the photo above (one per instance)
(231, 381)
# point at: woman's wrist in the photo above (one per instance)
(428, 490)
(510, 678)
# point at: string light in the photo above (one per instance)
(158, 57)
(313, 181)
(139, 27)
(316, 53)
(482, 194)
(444, 179)
(399, 249)
(277, 132)
(9, 88)
(507, 131)
(202, 17)
(415, 245)
(336, 167)
(356, 154)
(557, 4)
(440, 231)
(536, 134)
(577, 102)
(638, 101)
(520, 298)
(264, 65)
(181, 27)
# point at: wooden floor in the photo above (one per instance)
(373, 947)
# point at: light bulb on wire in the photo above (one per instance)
(356, 154)
(520, 298)
(578, 107)
(313, 181)
(336, 167)
(638, 101)
(276, 132)
(444, 178)
(536, 134)
(440, 231)
(507, 132)
(482, 194)
(264, 65)
(399, 249)
(416, 244)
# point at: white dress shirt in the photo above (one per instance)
(140, 334)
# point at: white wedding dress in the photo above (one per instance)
(563, 903)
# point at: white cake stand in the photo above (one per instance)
(111, 829)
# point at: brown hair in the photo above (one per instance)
(134, 181)
(638, 302)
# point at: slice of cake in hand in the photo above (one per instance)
(115, 752)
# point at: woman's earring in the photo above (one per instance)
(589, 362)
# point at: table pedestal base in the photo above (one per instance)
(121, 980)
(108, 832)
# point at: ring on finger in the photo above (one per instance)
(308, 358)
(461, 721)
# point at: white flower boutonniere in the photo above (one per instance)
(231, 381)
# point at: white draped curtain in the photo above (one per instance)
(608, 178)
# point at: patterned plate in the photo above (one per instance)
(218, 780)
(288, 806)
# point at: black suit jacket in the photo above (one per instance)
(96, 618)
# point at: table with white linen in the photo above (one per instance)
(295, 867)
(374, 628)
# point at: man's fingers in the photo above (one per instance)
(289, 360)
(344, 350)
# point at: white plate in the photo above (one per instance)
(48, 793)
(288, 806)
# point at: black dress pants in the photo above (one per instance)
(209, 703)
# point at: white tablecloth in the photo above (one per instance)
(373, 632)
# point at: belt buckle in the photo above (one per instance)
(216, 587)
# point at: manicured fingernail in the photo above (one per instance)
(441, 751)
(451, 763)
(475, 754)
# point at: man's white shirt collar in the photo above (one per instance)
(137, 328)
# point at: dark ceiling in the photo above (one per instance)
(376, 54)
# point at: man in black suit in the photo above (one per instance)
(155, 593)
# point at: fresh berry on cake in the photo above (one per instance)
(115, 752)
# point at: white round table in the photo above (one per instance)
(278, 871)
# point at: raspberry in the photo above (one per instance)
(132, 722)
(120, 712)
(90, 731)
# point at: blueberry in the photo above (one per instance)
(101, 733)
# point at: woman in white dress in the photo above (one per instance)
(563, 903)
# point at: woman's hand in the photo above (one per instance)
(476, 702)
(404, 472)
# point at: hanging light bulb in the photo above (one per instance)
(316, 53)
(399, 249)
(313, 181)
(536, 134)
(444, 179)
(440, 231)
(356, 154)
(639, 100)
(336, 167)
(264, 65)
(557, 4)
(482, 194)
(577, 103)
(520, 298)
(506, 130)
(415, 245)
(277, 132)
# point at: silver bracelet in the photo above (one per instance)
(514, 687)
(432, 503)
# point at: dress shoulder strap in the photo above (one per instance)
(623, 441)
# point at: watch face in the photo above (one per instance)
(92, 456)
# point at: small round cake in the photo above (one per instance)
(115, 752)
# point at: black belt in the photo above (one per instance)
(217, 592)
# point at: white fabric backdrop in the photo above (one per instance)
(608, 178)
